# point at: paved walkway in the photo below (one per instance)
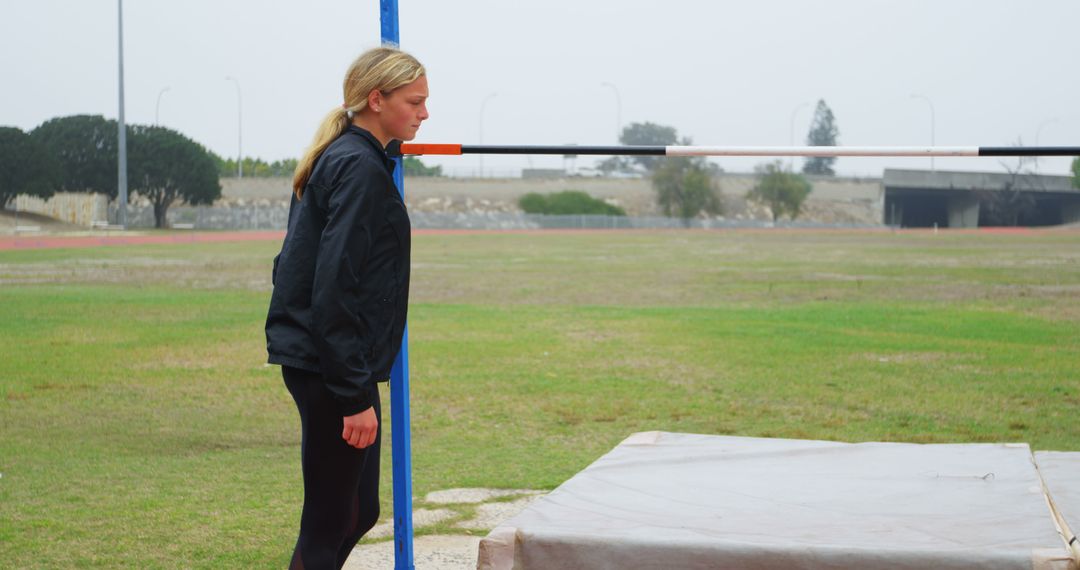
(486, 508)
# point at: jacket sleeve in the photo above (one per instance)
(354, 214)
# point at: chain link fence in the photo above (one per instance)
(277, 218)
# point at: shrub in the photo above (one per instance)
(567, 202)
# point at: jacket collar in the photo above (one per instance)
(374, 142)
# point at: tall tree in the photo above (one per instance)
(781, 189)
(685, 188)
(85, 146)
(26, 166)
(684, 185)
(166, 166)
(639, 134)
(1076, 172)
(823, 132)
(648, 134)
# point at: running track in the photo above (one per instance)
(46, 242)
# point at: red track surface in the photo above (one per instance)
(43, 242)
(96, 241)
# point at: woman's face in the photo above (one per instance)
(404, 109)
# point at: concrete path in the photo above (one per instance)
(486, 509)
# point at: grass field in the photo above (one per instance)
(140, 428)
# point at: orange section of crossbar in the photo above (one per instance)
(407, 148)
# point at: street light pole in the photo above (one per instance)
(795, 113)
(932, 125)
(121, 150)
(239, 129)
(482, 106)
(157, 108)
(618, 109)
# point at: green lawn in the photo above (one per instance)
(140, 428)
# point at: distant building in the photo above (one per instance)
(926, 198)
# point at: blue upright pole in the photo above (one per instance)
(401, 440)
(389, 20)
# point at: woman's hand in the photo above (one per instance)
(360, 429)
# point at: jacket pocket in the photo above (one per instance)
(384, 331)
(387, 312)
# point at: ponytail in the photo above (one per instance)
(331, 128)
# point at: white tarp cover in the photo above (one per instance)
(1061, 473)
(669, 500)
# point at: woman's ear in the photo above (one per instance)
(375, 100)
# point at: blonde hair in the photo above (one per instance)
(382, 68)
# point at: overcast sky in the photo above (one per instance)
(721, 72)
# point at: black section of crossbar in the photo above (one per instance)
(566, 150)
(1029, 151)
(394, 149)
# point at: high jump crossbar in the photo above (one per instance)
(408, 149)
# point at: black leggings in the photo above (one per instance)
(341, 483)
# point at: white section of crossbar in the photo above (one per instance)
(918, 151)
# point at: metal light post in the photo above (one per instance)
(932, 125)
(239, 129)
(795, 113)
(482, 106)
(121, 150)
(618, 109)
(157, 107)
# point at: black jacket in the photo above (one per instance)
(341, 281)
